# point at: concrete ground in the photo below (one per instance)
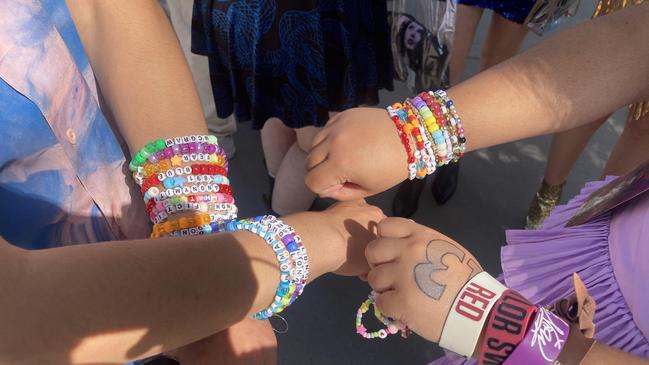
(494, 191)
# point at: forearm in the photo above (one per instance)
(113, 302)
(602, 354)
(139, 66)
(568, 80)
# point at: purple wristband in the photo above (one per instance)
(543, 341)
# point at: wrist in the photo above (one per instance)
(318, 236)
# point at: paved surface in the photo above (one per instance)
(495, 188)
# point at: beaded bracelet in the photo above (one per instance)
(160, 145)
(154, 192)
(412, 169)
(149, 169)
(433, 123)
(198, 219)
(455, 121)
(391, 327)
(195, 169)
(428, 125)
(291, 284)
(297, 252)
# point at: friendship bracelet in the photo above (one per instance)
(412, 170)
(451, 136)
(543, 342)
(469, 312)
(198, 219)
(443, 142)
(287, 248)
(506, 327)
(149, 169)
(434, 125)
(154, 192)
(457, 122)
(194, 169)
(160, 145)
(390, 327)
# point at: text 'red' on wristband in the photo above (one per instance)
(543, 342)
(469, 313)
(506, 327)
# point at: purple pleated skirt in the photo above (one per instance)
(539, 264)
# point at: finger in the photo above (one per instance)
(390, 303)
(346, 192)
(318, 155)
(384, 250)
(325, 177)
(333, 120)
(381, 278)
(396, 227)
(320, 137)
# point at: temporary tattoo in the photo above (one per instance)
(435, 253)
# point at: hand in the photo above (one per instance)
(249, 342)
(357, 154)
(418, 273)
(358, 223)
(336, 238)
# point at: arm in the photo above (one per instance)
(601, 354)
(565, 81)
(141, 71)
(419, 273)
(116, 301)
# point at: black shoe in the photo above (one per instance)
(445, 182)
(158, 360)
(406, 202)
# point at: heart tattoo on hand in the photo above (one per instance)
(424, 272)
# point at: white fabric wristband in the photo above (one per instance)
(469, 312)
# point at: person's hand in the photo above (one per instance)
(249, 342)
(336, 238)
(417, 272)
(357, 154)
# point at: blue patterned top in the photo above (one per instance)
(62, 174)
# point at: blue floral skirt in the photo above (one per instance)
(296, 60)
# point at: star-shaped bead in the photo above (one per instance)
(176, 161)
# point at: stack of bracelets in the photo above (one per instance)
(430, 130)
(515, 330)
(429, 125)
(186, 177)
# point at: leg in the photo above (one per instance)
(276, 139)
(247, 342)
(503, 41)
(180, 13)
(631, 149)
(566, 148)
(466, 24)
(291, 194)
(564, 152)
(445, 183)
